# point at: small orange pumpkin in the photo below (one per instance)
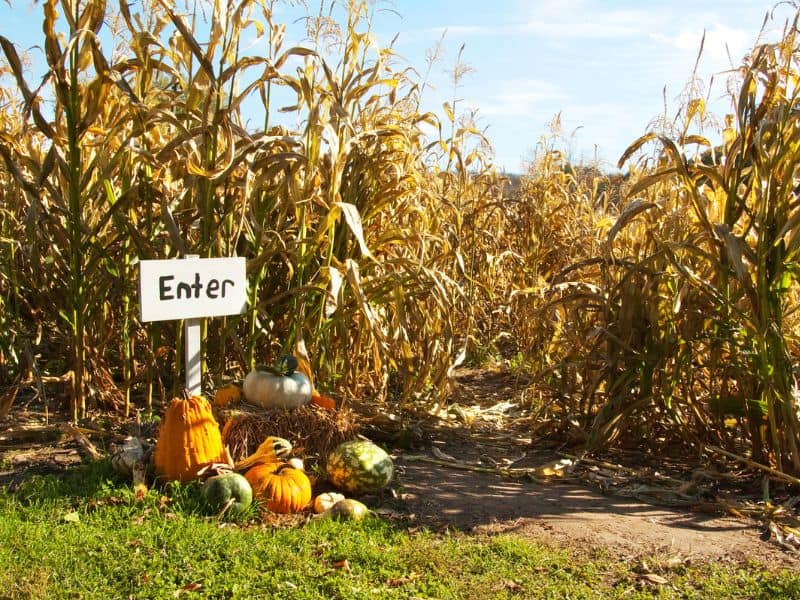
(189, 439)
(325, 402)
(283, 488)
(230, 394)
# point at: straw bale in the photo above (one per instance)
(313, 431)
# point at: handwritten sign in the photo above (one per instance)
(191, 288)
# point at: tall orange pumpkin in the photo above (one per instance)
(189, 440)
(283, 488)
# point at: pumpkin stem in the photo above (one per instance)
(284, 366)
(287, 364)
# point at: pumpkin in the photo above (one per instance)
(229, 492)
(347, 510)
(325, 500)
(278, 387)
(359, 466)
(230, 394)
(271, 450)
(296, 463)
(189, 440)
(283, 488)
(325, 402)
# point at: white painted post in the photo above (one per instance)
(191, 344)
(192, 289)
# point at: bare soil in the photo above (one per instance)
(572, 510)
(448, 477)
(580, 517)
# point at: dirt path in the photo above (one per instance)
(577, 516)
(569, 512)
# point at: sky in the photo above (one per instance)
(605, 66)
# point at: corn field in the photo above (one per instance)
(657, 308)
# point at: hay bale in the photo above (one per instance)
(313, 431)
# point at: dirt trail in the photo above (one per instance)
(577, 516)
(569, 512)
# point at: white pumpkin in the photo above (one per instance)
(280, 387)
(325, 501)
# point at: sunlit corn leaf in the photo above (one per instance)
(635, 147)
(630, 211)
(335, 281)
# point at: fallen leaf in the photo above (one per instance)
(189, 587)
(512, 586)
(342, 565)
(441, 455)
(553, 469)
(389, 513)
(655, 579)
(71, 517)
(676, 561)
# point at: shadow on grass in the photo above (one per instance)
(95, 483)
(83, 481)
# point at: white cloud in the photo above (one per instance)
(575, 19)
(566, 19)
(723, 45)
(518, 98)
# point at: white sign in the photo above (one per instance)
(189, 288)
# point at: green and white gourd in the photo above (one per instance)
(228, 492)
(280, 386)
(359, 467)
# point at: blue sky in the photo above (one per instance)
(602, 64)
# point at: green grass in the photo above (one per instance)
(84, 536)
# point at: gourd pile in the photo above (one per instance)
(191, 446)
(281, 401)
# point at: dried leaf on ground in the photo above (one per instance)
(341, 565)
(654, 579)
(189, 587)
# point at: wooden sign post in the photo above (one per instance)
(190, 289)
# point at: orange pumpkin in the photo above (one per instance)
(189, 439)
(230, 394)
(325, 402)
(283, 488)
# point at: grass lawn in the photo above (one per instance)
(84, 535)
